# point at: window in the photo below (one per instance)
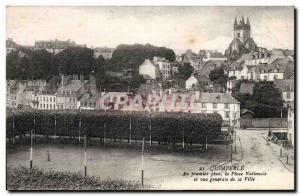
(203, 105)
(288, 95)
(50, 99)
(215, 105)
(226, 106)
(73, 100)
(70, 99)
(50, 106)
(265, 77)
(54, 99)
(275, 77)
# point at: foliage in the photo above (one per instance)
(185, 71)
(218, 76)
(37, 64)
(166, 127)
(132, 56)
(266, 101)
(75, 60)
(22, 178)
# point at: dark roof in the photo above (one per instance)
(246, 111)
(217, 98)
(148, 88)
(201, 77)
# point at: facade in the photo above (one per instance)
(55, 46)
(150, 70)
(46, 101)
(237, 70)
(221, 103)
(242, 42)
(11, 93)
(11, 45)
(196, 80)
(286, 87)
(164, 67)
(212, 55)
(255, 58)
(105, 52)
(89, 99)
(69, 92)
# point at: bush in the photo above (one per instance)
(165, 127)
(22, 178)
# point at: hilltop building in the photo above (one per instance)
(242, 42)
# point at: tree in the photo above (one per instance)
(185, 71)
(42, 65)
(266, 101)
(75, 60)
(12, 63)
(132, 56)
(219, 79)
(218, 76)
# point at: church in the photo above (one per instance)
(242, 42)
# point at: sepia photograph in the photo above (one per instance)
(150, 98)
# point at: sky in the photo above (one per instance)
(178, 28)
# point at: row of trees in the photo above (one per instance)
(158, 126)
(40, 64)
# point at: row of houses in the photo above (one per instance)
(76, 93)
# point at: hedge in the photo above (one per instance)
(165, 127)
(22, 178)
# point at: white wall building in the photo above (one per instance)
(240, 71)
(164, 66)
(46, 102)
(221, 103)
(149, 70)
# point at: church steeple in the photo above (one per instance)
(248, 22)
(235, 24)
(243, 21)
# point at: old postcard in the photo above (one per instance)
(150, 98)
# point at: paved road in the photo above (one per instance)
(255, 155)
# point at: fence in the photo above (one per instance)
(263, 123)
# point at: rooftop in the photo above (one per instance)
(217, 98)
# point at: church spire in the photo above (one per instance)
(248, 22)
(235, 24)
(243, 21)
